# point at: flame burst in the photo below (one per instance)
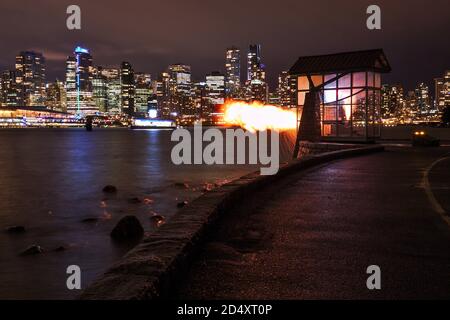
(259, 117)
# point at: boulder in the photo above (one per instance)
(182, 204)
(127, 228)
(15, 229)
(135, 200)
(110, 189)
(32, 250)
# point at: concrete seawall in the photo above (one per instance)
(151, 269)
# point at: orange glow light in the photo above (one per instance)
(256, 116)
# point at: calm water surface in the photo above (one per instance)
(51, 179)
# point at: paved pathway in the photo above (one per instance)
(314, 235)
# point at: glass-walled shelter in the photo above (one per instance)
(349, 87)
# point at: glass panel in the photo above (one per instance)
(317, 80)
(344, 96)
(345, 81)
(329, 112)
(329, 129)
(303, 83)
(329, 96)
(359, 112)
(332, 85)
(344, 112)
(358, 96)
(326, 131)
(359, 79)
(301, 98)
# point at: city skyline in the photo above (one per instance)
(151, 48)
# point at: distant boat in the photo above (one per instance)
(152, 124)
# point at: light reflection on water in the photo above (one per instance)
(53, 179)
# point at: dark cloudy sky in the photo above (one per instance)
(152, 34)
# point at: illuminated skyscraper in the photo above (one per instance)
(79, 83)
(99, 89)
(127, 88)
(392, 103)
(180, 86)
(30, 78)
(113, 90)
(442, 91)
(56, 96)
(215, 83)
(257, 89)
(233, 72)
(255, 69)
(423, 100)
(286, 89)
(162, 94)
(9, 95)
(143, 92)
(180, 78)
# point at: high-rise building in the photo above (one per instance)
(180, 86)
(9, 94)
(113, 90)
(180, 78)
(442, 91)
(411, 106)
(286, 89)
(255, 69)
(201, 102)
(99, 89)
(56, 96)
(162, 94)
(392, 104)
(233, 72)
(127, 88)
(215, 83)
(30, 78)
(423, 100)
(143, 92)
(257, 88)
(79, 83)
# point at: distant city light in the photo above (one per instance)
(152, 113)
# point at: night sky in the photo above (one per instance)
(153, 34)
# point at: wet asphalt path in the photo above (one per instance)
(313, 236)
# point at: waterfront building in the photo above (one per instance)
(99, 89)
(113, 89)
(339, 95)
(56, 96)
(127, 88)
(286, 89)
(257, 88)
(143, 92)
(79, 83)
(255, 69)
(179, 90)
(215, 83)
(442, 91)
(423, 100)
(392, 103)
(232, 72)
(201, 101)
(162, 94)
(9, 94)
(30, 78)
